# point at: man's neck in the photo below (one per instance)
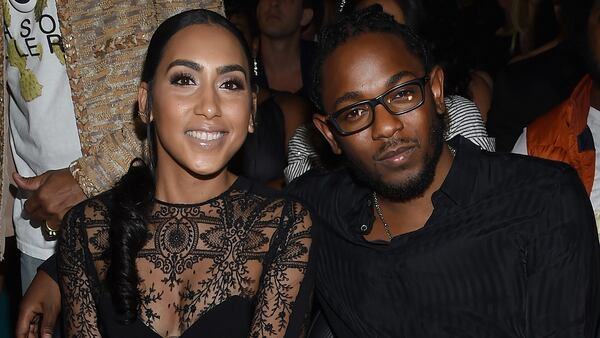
(404, 217)
(280, 51)
(281, 62)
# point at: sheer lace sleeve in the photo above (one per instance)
(283, 296)
(75, 276)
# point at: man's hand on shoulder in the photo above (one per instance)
(50, 195)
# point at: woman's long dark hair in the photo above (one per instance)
(133, 195)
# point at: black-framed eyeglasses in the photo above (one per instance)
(398, 100)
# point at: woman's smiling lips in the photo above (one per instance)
(206, 137)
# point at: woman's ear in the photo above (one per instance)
(142, 99)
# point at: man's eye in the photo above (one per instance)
(183, 80)
(355, 114)
(404, 95)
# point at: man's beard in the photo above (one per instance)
(414, 186)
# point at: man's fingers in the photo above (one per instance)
(34, 210)
(48, 322)
(27, 183)
(31, 204)
(27, 322)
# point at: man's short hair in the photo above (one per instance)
(368, 20)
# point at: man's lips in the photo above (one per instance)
(395, 153)
(273, 15)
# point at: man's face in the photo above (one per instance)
(279, 18)
(396, 155)
(593, 41)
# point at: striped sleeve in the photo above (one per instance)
(465, 120)
(301, 154)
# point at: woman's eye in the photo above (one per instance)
(232, 85)
(183, 80)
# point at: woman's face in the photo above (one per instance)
(391, 7)
(202, 100)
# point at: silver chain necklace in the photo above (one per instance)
(452, 151)
(386, 226)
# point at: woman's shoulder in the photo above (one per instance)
(93, 210)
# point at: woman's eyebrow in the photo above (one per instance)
(186, 63)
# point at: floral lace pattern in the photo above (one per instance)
(197, 257)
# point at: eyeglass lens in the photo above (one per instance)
(399, 101)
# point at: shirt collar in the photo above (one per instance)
(455, 190)
(348, 205)
(461, 178)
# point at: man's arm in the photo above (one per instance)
(40, 306)
(53, 193)
(563, 266)
(108, 161)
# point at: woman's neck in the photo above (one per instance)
(183, 187)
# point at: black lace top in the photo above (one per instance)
(233, 266)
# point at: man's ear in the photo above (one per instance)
(307, 16)
(142, 99)
(320, 122)
(253, 109)
(436, 80)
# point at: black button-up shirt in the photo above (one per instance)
(511, 250)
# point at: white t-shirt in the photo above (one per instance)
(593, 123)
(43, 131)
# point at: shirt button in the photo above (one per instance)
(363, 228)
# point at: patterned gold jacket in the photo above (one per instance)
(105, 43)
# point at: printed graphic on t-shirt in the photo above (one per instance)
(29, 85)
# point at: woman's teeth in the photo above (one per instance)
(205, 135)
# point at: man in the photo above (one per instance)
(284, 61)
(418, 242)
(69, 78)
(423, 238)
(571, 131)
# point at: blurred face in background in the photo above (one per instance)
(281, 18)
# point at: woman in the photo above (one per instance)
(181, 247)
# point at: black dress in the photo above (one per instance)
(233, 266)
